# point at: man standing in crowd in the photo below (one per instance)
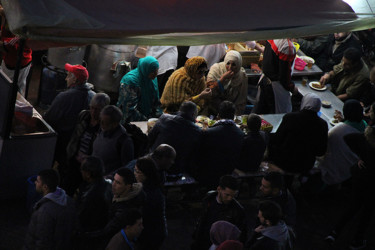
(350, 78)
(180, 132)
(220, 148)
(133, 227)
(54, 219)
(127, 195)
(273, 233)
(113, 145)
(272, 188)
(220, 205)
(64, 110)
(275, 83)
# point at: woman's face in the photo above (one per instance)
(200, 73)
(154, 74)
(139, 176)
(231, 66)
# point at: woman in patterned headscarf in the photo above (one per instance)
(186, 84)
(139, 93)
(228, 82)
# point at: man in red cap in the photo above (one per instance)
(64, 110)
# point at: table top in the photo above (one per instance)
(315, 70)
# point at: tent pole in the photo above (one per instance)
(14, 88)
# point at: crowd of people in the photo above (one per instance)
(104, 194)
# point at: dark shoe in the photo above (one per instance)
(357, 244)
(331, 238)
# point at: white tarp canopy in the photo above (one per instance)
(181, 22)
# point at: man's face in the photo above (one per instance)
(266, 188)
(106, 123)
(70, 79)
(347, 64)
(95, 111)
(136, 229)
(119, 187)
(226, 195)
(139, 176)
(166, 163)
(39, 185)
(340, 36)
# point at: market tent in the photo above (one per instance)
(180, 22)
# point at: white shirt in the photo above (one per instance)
(166, 56)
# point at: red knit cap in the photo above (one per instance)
(79, 72)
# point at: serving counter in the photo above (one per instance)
(28, 149)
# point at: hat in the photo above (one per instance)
(79, 72)
(230, 245)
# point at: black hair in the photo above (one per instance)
(353, 110)
(127, 175)
(276, 179)
(254, 122)
(147, 166)
(227, 110)
(131, 217)
(113, 112)
(50, 178)
(188, 110)
(94, 166)
(101, 99)
(353, 55)
(271, 211)
(164, 150)
(228, 181)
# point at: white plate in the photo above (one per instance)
(321, 89)
(331, 121)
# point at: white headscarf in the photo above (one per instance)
(234, 56)
(311, 102)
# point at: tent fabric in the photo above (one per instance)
(179, 22)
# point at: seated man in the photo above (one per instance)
(220, 205)
(272, 188)
(312, 46)
(112, 145)
(163, 157)
(180, 132)
(54, 218)
(350, 78)
(220, 148)
(338, 160)
(335, 48)
(273, 233)
(254, 145)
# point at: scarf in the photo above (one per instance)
(149, 87)
(311, 102)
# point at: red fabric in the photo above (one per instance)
(11, 45)
(79, 72)
(289, 57)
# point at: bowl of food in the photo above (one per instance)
(317, 86)
(334, 121)
(326, 104)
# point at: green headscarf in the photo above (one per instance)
(149, 87)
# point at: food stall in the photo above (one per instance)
(27, 143)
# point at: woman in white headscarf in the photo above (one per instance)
(228, 82)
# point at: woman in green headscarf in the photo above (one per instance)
(139, 93)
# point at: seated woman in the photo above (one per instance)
(228, 82)
(139, 92)
(186, 84)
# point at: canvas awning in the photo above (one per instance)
(180, 22)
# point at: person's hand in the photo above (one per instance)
(338, 116)
(259, 229)
(205, 93)
(226, 76)
(361, 164)
(324, 79)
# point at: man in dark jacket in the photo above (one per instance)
(64, 110)
(220, 148)
(272, 234)
(180, 132)
(127, 194)
(113, 145)
(54, 219)
(220, 205)
(334, 51)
